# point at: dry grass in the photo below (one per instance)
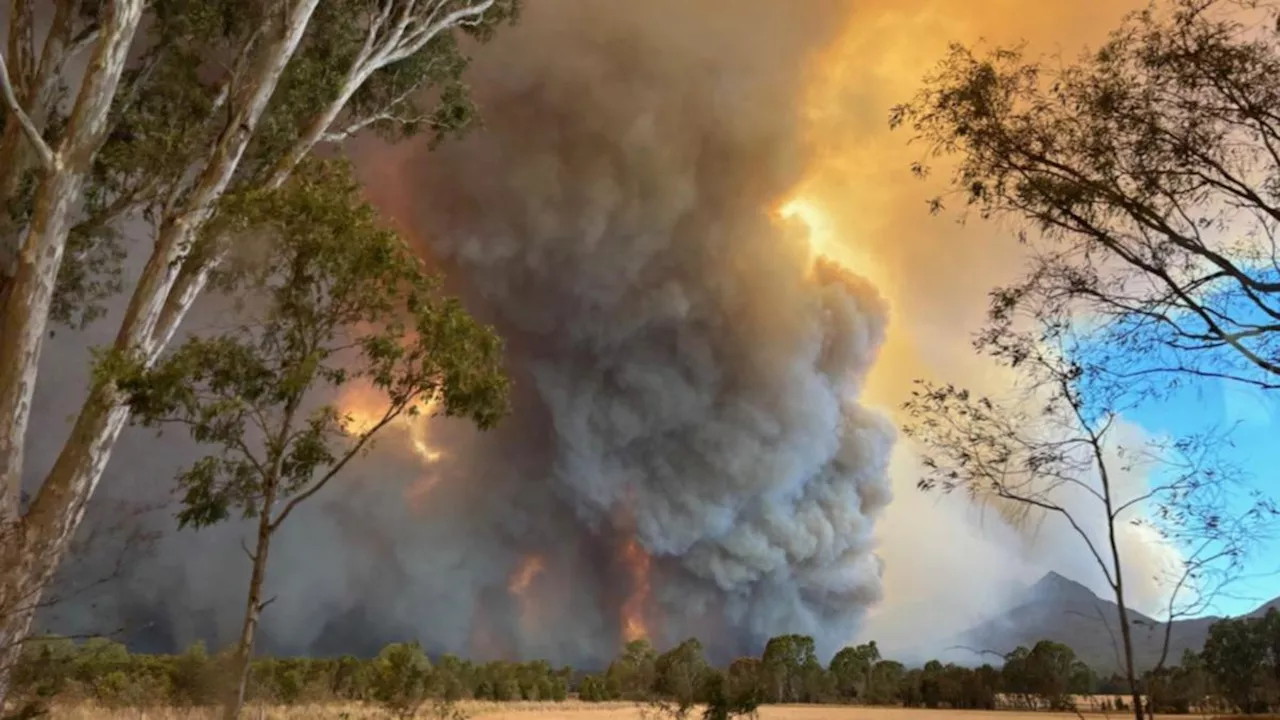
(548, 711)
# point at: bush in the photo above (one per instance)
(592, 690)
(399, 678)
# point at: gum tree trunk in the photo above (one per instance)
(28, 552)
(253, 609)
(34, 544)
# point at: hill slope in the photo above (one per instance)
(1059, 609)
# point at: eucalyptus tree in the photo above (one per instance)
(1142, 176)
(181, 107)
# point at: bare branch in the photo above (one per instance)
(48, 160)
(387, 115)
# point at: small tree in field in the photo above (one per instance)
(400, 678)
(334, 300)
(1059, 440)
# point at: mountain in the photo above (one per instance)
(1059, 609)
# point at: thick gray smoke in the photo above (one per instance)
(687, 379)
(699, 384)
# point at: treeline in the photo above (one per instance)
(401, 678)
(1238, 670)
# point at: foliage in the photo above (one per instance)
(1056, 449)
(680, 678)
(1049, 671)
(400, 678)
(1242, 656)
(1237, 671)
(1144, 174)
(631, 676)
(186, 116)
(330, 299)
(851, 670)
(333, 299)
(170, 109)
(790, 670)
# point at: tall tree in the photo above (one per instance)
(335, 300)
(680, 677)
(851, 670)
(1053, 450)
(183, 106)
(1145, 177)
(631, 675)
(1236, 654)
(787, 662)
(886, 681)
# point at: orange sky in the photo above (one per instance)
(934, 272)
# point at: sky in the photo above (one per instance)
(935, 274)
(1252, 418)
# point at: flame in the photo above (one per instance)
(634, 625)
(362, 409)
(361, 412)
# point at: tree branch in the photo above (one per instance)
(46, 155)
(392, 413)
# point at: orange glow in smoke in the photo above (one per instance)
(823, 233)
(362, 410)
(634, 624)
(530, 568)
(520, 584)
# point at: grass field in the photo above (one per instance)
(571, 710)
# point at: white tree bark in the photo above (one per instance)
(30, 87)
(57, 509)
(22, 326)
(169, 285)
(398, 31)
(26, 311)
(58, 506)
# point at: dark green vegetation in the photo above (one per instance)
(1237, 671)
(1148, 168)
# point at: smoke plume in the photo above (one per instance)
(691, 377)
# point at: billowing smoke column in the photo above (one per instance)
(689, 377)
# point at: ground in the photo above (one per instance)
(548, 711)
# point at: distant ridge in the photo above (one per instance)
(1058, 588)
(1060, 609)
